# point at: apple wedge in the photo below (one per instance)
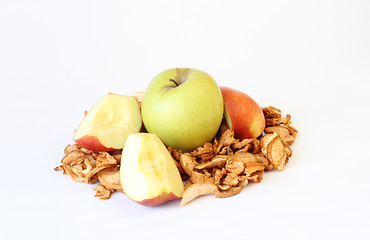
(242, 114)
(107, 125)
(149, 175)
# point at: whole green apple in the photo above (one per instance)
(184, 107)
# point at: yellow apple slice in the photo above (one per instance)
(149, 175)
(107, 125)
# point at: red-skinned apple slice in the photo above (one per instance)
(149, 175)
(107, 125)
(242, 114)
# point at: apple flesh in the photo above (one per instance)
(184, 107)
(107, 125)
(148, 173)
(242, 114)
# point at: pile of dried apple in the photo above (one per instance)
(137, 144)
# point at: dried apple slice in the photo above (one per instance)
(110, 178)
(188, 163)
(229, 192)
(217, 161)
(197, 189)
(110, 121)
(103, 192)
(284, 133)
(277, 154)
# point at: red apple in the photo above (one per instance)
(242, 114)
(107, 125)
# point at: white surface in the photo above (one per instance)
(309, 58)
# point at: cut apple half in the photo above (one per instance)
(149, 175)
(107, 125)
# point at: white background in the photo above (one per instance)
(309, 58)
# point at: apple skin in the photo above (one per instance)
(166, 197)
(242, 114)
(148, 173)
(184, 107)
(92, 143)
(109, 122)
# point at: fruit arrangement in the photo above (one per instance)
(183, 137)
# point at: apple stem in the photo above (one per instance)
(171, 80)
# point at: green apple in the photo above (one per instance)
(184, 107)
(148, 173)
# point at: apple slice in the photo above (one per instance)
(107, 125)
(242, 114)
(149, 175)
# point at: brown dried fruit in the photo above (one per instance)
(255, 177)
(187, 184)
(188, 163)
(195, 190)
(82, 165)
(70, 148)
(110, 178)
(219, 174)
(223, 128)
(244, 157)
(292, 130)
(235, 166)
(243, 181)
(205, 153)
(175, 153)
(217, 161)
(252, 167)
(226, 139)
(103, 161)
(231, 179)
(206, 172)
(263, 160)
(266, 140)
(244, 145)
(103, 192)
(184, 175)
(226, 151)
(277, 154)
(287, 149)
(78, 165)
(256, 145)
(273, 117)
(211, 180)
(283, 132)
(224, 187)
(72, 157)
(59, 168)
(228, 193)
(104, 158)
(271, 112)
(197, 177)
(117, 154)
